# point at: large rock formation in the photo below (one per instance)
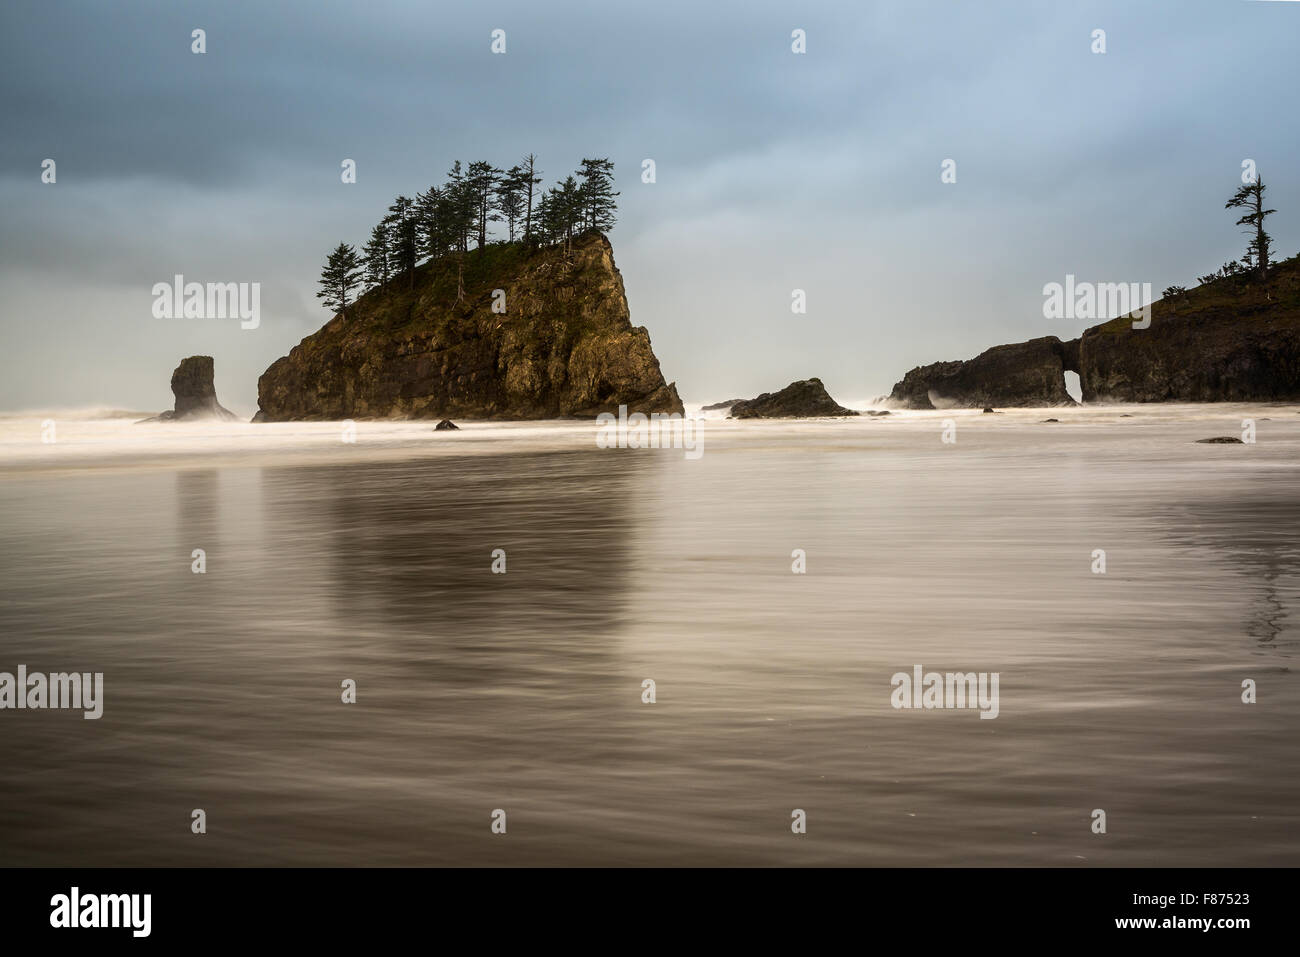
(1235, 339)
(196, 396)
(804, 399)
(1227, 344)
(564, 346)
(1022, 374)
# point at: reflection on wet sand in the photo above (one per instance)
(522, 691)
(410, 552)
(1257, 537)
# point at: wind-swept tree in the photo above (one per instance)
(597, 194)
(1250, 197)
(377, 254)
(405, 237)
(342, 274)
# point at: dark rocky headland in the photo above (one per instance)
(565, 346)
(1023, 374)
(1235, 339)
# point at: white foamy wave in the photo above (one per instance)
(90, 413)
(103, 437)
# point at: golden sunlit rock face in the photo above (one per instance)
(504, 333)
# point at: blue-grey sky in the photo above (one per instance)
(775, 171)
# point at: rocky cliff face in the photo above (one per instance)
(1232, 340)
(196, 395)
(1022, 374)
(564, 346)
(804, 399)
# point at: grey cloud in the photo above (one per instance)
(775, 171)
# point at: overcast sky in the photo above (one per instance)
(776, 171)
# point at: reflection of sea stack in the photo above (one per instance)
(196, 396)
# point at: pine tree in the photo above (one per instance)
(456, 220)
(377, 254)
(531, 176)
(510, 199)
(405, 237)
(342, 274)
(1250, 196)
(458, 208)
(429, 235)
(543, 227)
(482, 178)
(598, 207)
(443, 220)
(566, 207)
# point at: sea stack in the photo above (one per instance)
(196, 396)
(806, 398)
(504, 332)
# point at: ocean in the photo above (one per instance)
(499, 596)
